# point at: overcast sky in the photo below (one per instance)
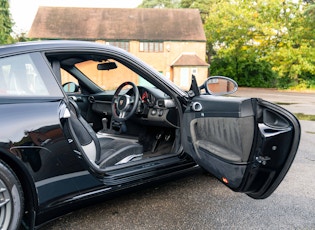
(24, 11)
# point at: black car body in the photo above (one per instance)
(63, 144)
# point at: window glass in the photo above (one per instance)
(19, 76)
(141, 47)
(69, 83)
(110, 79)
(67, 77)
(156, 47)
(151, 47)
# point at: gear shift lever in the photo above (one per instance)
(104, 123)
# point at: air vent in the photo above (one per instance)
(91, 99)
(160, 103)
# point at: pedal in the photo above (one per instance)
(156, 142)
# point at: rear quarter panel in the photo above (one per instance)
(31, 136)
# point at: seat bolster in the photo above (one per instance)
(104, 142)
(116, 150)
(90, 151)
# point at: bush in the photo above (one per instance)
(249, 73)
(304, 81)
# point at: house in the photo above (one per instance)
(171, 40)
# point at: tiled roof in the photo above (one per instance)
(189, 59)
(117, 24)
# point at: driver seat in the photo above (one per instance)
(102, 151)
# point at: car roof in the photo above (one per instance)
(43, 45)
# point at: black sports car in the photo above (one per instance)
(66, 139)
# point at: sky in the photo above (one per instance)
(24, 11)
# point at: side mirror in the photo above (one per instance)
(219, 85)
(71, 87)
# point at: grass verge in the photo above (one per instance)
(306, 117)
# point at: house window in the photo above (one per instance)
(121, 44)
(151, 47)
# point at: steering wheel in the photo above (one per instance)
(124, 106)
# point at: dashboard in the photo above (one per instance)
(147, 98)
(154, 97)
(154, 108)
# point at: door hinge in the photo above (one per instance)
(263, 159)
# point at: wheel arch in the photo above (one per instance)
(28, 186)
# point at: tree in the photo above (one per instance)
(202, 5)
(265, 33)
(293, 53)
(159, 4)
(310, 14)
(6, 23)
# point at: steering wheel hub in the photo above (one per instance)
(123, 102)
(124, 106)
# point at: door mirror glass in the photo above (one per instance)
(70, 87)
(219, 85)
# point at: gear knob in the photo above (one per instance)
(104, 123)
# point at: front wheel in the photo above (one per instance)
(11, 199)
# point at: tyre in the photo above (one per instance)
(11, 199)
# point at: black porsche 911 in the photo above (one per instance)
(66, 140)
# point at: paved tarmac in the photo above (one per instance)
(295, 102)
(201, 202)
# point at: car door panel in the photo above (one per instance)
(225, 139)
(276, 146)
(243, 142)
(217, 136)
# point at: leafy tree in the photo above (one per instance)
(6, 23)
(159, 4)
(202, 5)
(310, 14)
(22, 37)
(270, 34)
(293, 57)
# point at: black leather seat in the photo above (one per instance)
(102, 151)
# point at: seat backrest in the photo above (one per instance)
(84, 133)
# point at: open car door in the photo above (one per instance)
(247, 143)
